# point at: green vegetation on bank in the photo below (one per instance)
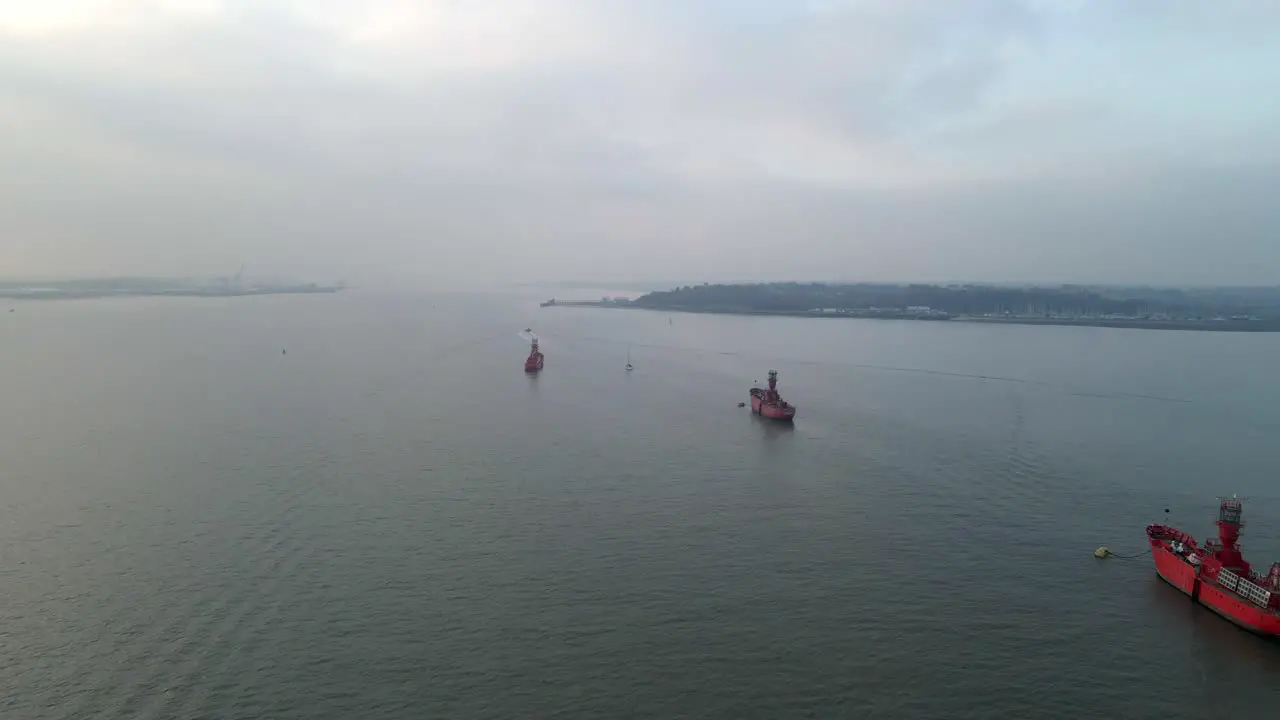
(1066, 303)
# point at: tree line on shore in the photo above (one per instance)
(967, 299)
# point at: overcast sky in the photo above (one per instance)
(438, 143)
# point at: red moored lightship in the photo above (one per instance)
(533, 363)
(768, 403)
(1216, 575)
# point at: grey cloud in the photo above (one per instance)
(695, 133)
(270, 88)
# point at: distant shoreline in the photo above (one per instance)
(1193, 325)
(1136, 324)
(58, 294)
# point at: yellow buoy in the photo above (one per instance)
(1102, 552)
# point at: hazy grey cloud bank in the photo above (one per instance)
(426, 142)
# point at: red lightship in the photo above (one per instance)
(1217, 575)
(533, 363)
(768, 403)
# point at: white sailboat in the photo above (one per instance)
(629, 368)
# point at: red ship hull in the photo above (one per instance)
(772, 410)
(1247, 601)
(533, 363)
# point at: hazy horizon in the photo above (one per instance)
(631, 287)
(447, 144)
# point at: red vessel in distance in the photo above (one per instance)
(533, 363)
(768, 403)
(1217, 575)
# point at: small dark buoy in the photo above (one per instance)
(742, 404)
(284, 352)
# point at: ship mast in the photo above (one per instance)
(1229, 526)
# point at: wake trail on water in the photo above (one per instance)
(1075, 391)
